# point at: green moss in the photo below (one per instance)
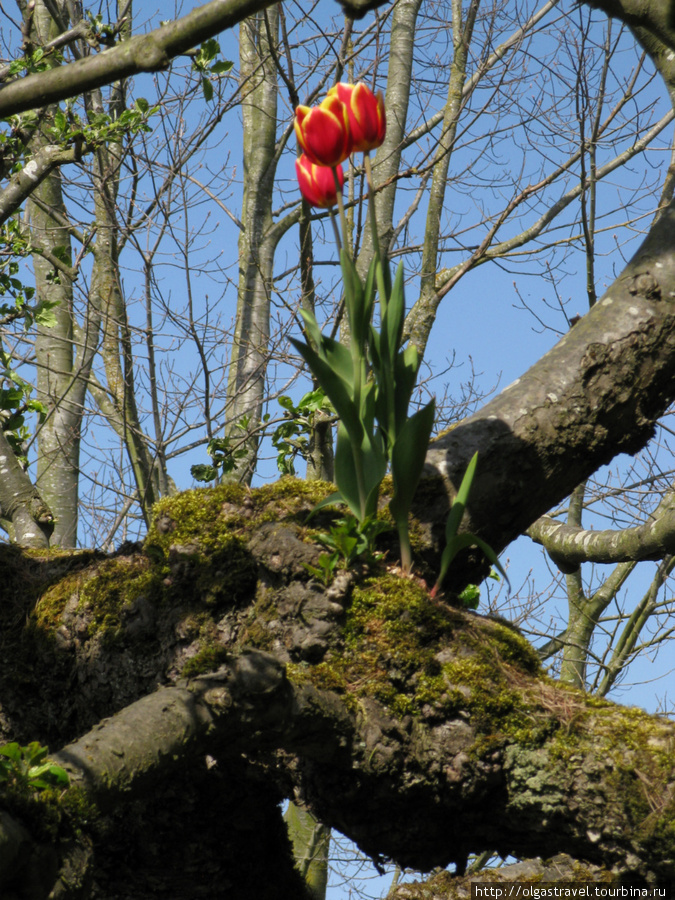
(211, 652)
(51, 812)
(52, 602)
(422, 659)
(212, 517)
(208, 659)
(117, 584)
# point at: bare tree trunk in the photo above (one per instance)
(246, 380)
(57, 388)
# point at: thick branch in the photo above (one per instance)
(571, 545)
(24, 182)
(425, 791)
(417, 730)
(31, 520)
(597, 393)
(145, 53)
(655, 16)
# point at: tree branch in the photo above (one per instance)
(597, 393)
(145, 53)
(570, 545)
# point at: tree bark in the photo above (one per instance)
(423, 732)
(57, 381)
(29, 519)
(250, 350)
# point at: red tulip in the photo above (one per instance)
(317, 183)
(323, 132)
(367, 121)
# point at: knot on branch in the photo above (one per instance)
(150, 56)
(645, 285)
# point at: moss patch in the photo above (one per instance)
(212, 516)
(419, 658)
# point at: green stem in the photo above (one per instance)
(336, 230)
(343, 217)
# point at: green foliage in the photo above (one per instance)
(16, 306)
(37, 61)
(343, 373)
(101, 128)
(325, 571)
(370, 384)
(15, 402)
(102, 32)
(455, 542)
(406, 437)
(292, 437)
(469, 598)
(348, 539)
(203, 63)
(27, 768)
(225, 454)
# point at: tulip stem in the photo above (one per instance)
(343, 218)
(336, 230)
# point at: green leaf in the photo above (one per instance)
(44, 314)
(456, 542)
(470, 596)
(457, 509)
(11, 751)
(220, 68)
(203, 473)
(335, 388)
(58, 775)
(359, 470)
(407, 461)
(207, 89)
(395, 312)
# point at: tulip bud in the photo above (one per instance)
(317, 183)
(367, 121)
(323, 132)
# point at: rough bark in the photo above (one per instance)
(423, 732)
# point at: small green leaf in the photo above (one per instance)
(220, 68)
(203, 473)
(44, 314)
(11, 751)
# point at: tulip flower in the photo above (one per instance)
(323, 132)
(317, 183)
(367, 121)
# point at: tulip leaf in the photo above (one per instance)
(457, 508)
(359, 470)
(459, 542)
(312, 329)
(334, 388)
(455, 542)
(396, 311)
(407, 461)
